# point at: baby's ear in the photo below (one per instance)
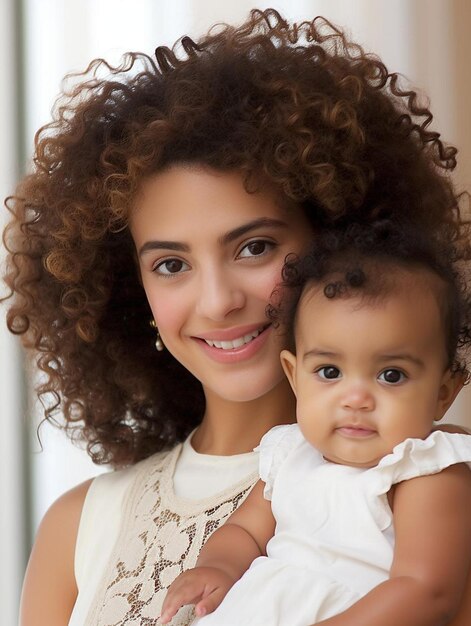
(451, 385)
(288, 361)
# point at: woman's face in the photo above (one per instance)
(210, 255)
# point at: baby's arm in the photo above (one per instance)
(432, 520)
(226, 555)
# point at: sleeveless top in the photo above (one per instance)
(334, 538)
(136, 535)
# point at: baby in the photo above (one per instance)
(362, 515)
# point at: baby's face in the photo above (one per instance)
(367, 376)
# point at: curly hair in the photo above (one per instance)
(297, 106)
(364, 261)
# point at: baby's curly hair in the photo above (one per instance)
(366, 262)
(294, 106)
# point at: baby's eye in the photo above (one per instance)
(256, 248)
(329, 372)
(170, 267)
(392, 376)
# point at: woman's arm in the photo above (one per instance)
(49, 589)
(432, 520)
(226, 555)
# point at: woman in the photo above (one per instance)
(163, 203)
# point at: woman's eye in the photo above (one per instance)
(329, 372)
(171, 267)
(256, 248)
(392, 376)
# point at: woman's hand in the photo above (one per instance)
(205, 587)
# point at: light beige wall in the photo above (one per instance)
(441, 63)
(461, 86)
(460, 69)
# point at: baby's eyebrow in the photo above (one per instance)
(315, 352)
(402, 357)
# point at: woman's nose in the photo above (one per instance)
(219, 294)
(358, 397)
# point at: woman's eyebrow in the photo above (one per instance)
(262, 222)
(163, 245)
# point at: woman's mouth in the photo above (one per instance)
(235, 343)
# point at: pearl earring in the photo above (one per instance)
(159, 344)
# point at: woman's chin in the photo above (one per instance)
(244, 388)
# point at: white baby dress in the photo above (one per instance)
(334, 537)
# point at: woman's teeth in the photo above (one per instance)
(236, 343)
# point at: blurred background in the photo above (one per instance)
(40, 41)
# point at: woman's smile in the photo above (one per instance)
(236, 350)
(230, 338)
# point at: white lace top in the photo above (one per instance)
(136, 534)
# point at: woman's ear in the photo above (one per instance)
(451, 385)
(288, 361)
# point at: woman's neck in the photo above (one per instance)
(236, 427)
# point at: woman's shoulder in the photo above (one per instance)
(70, 503)
(64, 515)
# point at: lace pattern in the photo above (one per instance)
(161, 536)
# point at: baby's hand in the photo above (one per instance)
(203, 586)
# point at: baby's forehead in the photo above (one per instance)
(381, 285)
(404, 318)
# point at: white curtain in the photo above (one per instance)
(426, 40)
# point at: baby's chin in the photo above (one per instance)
(353, 461)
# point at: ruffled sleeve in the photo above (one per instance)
(413, 458)
(410, 459)
(274, 447)
(420, 457)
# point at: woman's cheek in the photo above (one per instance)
(168, 315)
(270, 285)
(164, 304)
